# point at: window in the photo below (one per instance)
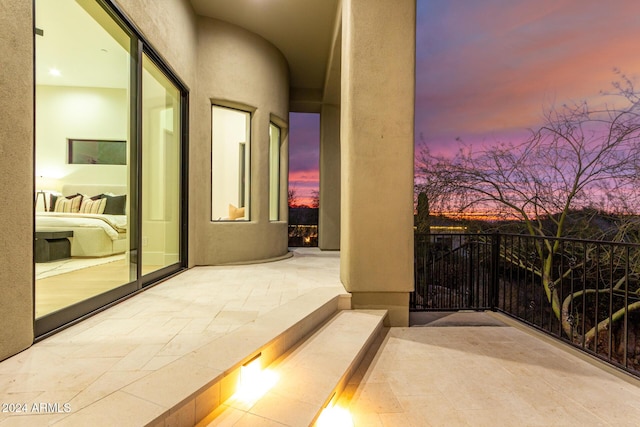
(274, 172)
(230, 164)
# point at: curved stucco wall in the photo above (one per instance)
(238, 68)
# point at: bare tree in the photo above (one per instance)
(582, 156)
(315, 199)
(292, 197)
(434, 192)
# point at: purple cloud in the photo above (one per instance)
(304, 153)
(487, 69)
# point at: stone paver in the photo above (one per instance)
(484, 376)
(91, 363)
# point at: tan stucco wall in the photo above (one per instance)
(170, 27)
(16, 176)
(377, 111)
(237, 67)
(329, 212)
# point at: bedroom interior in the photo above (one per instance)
(107, 193)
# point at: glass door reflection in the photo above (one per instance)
(83, 137)
(160, 170)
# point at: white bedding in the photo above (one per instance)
(113, 225)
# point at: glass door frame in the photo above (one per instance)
(53, 322)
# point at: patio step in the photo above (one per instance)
(187, 390)
(309, 376)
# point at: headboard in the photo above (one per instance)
(93, 189)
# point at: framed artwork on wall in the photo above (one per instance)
(96, 152)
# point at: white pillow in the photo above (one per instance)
(71, 205)
(93, 206)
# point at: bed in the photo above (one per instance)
(94, 234)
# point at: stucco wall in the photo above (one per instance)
(170, 27)
(236, 67)
(376, 137)
(16, 177)
(329, 215)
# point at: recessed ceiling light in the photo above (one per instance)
(55, 72)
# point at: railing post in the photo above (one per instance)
(470, 275)
(495, 259)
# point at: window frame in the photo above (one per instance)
(244, 179)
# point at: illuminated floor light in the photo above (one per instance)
(255, 382)
(335, 416)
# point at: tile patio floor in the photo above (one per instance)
(452, 375)
(103, 354)
(490, 374)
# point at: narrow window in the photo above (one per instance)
(230, 164)
(274, 172)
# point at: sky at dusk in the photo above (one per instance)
(486, 70)
(304, 155)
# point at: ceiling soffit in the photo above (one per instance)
(303, 30)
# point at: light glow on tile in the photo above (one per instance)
(255, 382)
(335, 416)
(55, 72)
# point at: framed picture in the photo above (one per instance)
(97, 152)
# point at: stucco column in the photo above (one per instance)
(377, 113)
(16, 177)
(329, 212)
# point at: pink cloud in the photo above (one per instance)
(487, 67)
(304, 182)
(304, 149)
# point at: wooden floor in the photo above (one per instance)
(56, 292)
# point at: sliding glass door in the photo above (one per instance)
(83, 138)
(161, 166)
(109, 162)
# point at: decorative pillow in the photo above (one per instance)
(93, 206)
(235, 213)
(69, 204)
(116, 205)
(53, 198)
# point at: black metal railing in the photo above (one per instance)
(301, 235)
(584, 292)
(451, 273)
